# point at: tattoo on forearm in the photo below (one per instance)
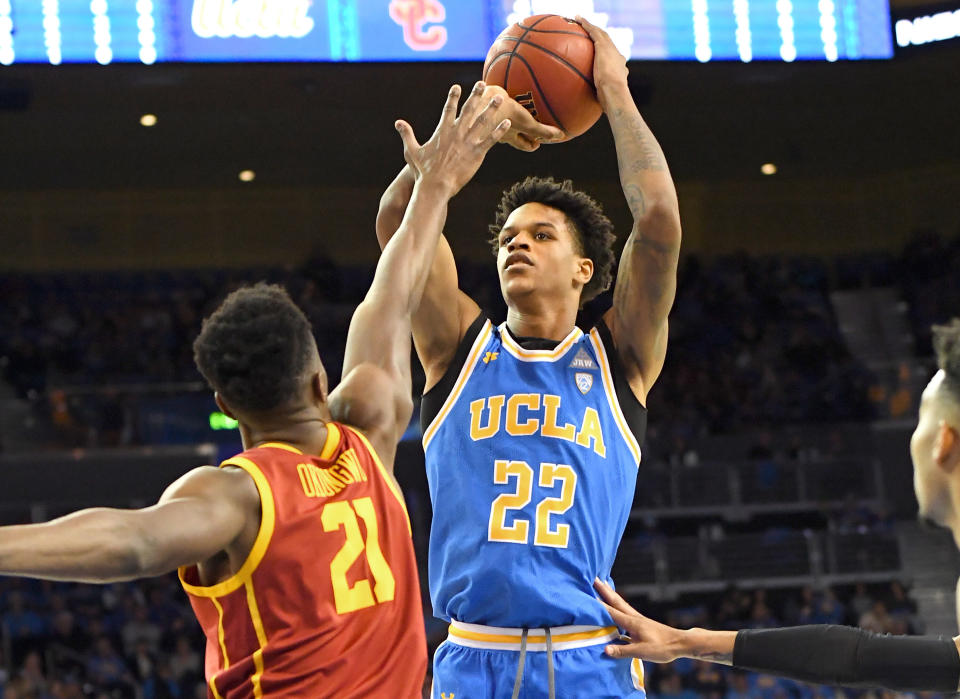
(638, 153)
(635, 199)
(716, 657)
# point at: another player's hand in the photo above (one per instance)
(609, 65)
(648, 639)
(460, 142)
(525, 133)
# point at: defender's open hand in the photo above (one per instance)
(649, 640)
(458, 145)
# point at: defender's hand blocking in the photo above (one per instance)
(649, 640)
(525, 133)
(458, 145)
(609, 65)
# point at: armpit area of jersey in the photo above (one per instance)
(842, 655)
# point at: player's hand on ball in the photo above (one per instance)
(648, 639)
(609, 65)
(525, 133)
(460, 142)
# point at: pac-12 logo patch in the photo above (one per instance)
(584, 382)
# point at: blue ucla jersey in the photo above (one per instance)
(532, 469)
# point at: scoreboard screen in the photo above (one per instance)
(150, 31)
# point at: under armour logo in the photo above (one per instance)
(487, 358)
(443, 695)
(526, 101)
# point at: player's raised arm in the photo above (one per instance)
(821, 653)
(378, 343)
(198, 516)
(439, 322)
(647, 276)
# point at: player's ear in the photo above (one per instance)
(584, 272)
(224, 408)
(946, 447)
(319, 385)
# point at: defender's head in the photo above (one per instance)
(549, 237)
(935, 445)
(258, 354)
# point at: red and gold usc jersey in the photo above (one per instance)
(327, 604)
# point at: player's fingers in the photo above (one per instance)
(525, 143)
(481, 124)
(449, 114)
(620, 618)
(544, 133)
(630, 650)
(468, 111)
(592, 29)
(612, 599)
(499, 132)
(411, 149)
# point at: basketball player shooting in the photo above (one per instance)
(296, 554)
(532, 428)
(836, 654)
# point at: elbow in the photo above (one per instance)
(661, 221)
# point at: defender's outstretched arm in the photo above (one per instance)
(378, 344)
(198, 515)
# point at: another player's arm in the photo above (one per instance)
(647, 276)
(378, 343)
(819, 653)
(438, 325)
(197, 516)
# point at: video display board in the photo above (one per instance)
(150, 31)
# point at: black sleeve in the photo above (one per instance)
(433, 400)
(842, 655)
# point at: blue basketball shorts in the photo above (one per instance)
(481, 662)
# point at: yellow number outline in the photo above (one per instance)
(343, 514)
(519, 531)
(549, 474)
(498, 530)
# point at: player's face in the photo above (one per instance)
(538, 252)
(929, 481)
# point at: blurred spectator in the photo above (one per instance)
(877, 619)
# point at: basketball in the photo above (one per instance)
(545, 62)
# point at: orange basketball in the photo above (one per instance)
(545, 62)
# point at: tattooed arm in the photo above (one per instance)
(647, 276)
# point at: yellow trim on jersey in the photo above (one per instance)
(333, 441)
(220, 634)
(391, 483)
(636, 673)
(280, 445)
(533, 635)
(526, 355)
(482, 338)
(223, 647)
(611, 394)
(261, 638)
(260, 544)
(213, 687)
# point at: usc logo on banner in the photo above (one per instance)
(412, 15)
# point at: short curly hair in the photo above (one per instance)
(946, 345)
(255, 348)
(592, 229)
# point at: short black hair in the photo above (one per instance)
(592, 229)
(946, 345)
(254, 349)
